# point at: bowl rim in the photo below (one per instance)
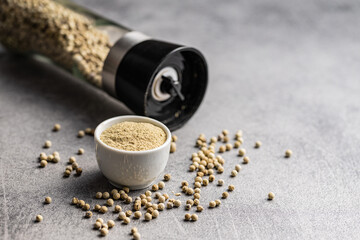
(123, 118)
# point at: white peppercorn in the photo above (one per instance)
(288, 153)
(242, 152)
(212, 204)
(194, 217)
(246, 160)
(81, 134)
(81, 151)
(48, 200)
(137, 214)
(225, 195)
(39, 218)
(111, 223)
(47, 144)
(148, 216)
(271, 196)
(234, 173)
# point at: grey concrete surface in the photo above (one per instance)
(286, 72)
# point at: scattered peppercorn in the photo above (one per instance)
(288, 153)
(81, 151)
(104, 231)
(231, 187)
(194, 217)
(105, 195)
(225, 195)
(137, 214)
(88, 214)
(111, 223)
(172, 147)
(212, 204)
(43, 163)
(167, 177)
(47, 144)
(57, 127)
(161, 185)
(234, 173)
(242, 152)
(39, 218)
(48, 200)
(187, 217)
(98, 195)
(246, 160)
(271, 196)
(81, 134)
(258, 144)
(148, 216)
(199, 208)
(220, 182)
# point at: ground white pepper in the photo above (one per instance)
(288, 153)
(271, 196)
(246, 160)
(81, 151)
(48, 200)
(167, 177)
(148, 216)
(39, 218)
(111, 223)
(88, 214)
(194, 217)
(231, 187)
(133, 136)
(187, 217)
(242, 152)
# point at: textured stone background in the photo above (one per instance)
(286, 72)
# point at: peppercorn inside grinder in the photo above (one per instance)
(158, 79)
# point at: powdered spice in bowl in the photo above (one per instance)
(132, 150)
(133, 136)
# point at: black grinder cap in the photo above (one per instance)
(171, 98)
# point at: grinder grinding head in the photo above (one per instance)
(157, 79)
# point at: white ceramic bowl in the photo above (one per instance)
(134, 169)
